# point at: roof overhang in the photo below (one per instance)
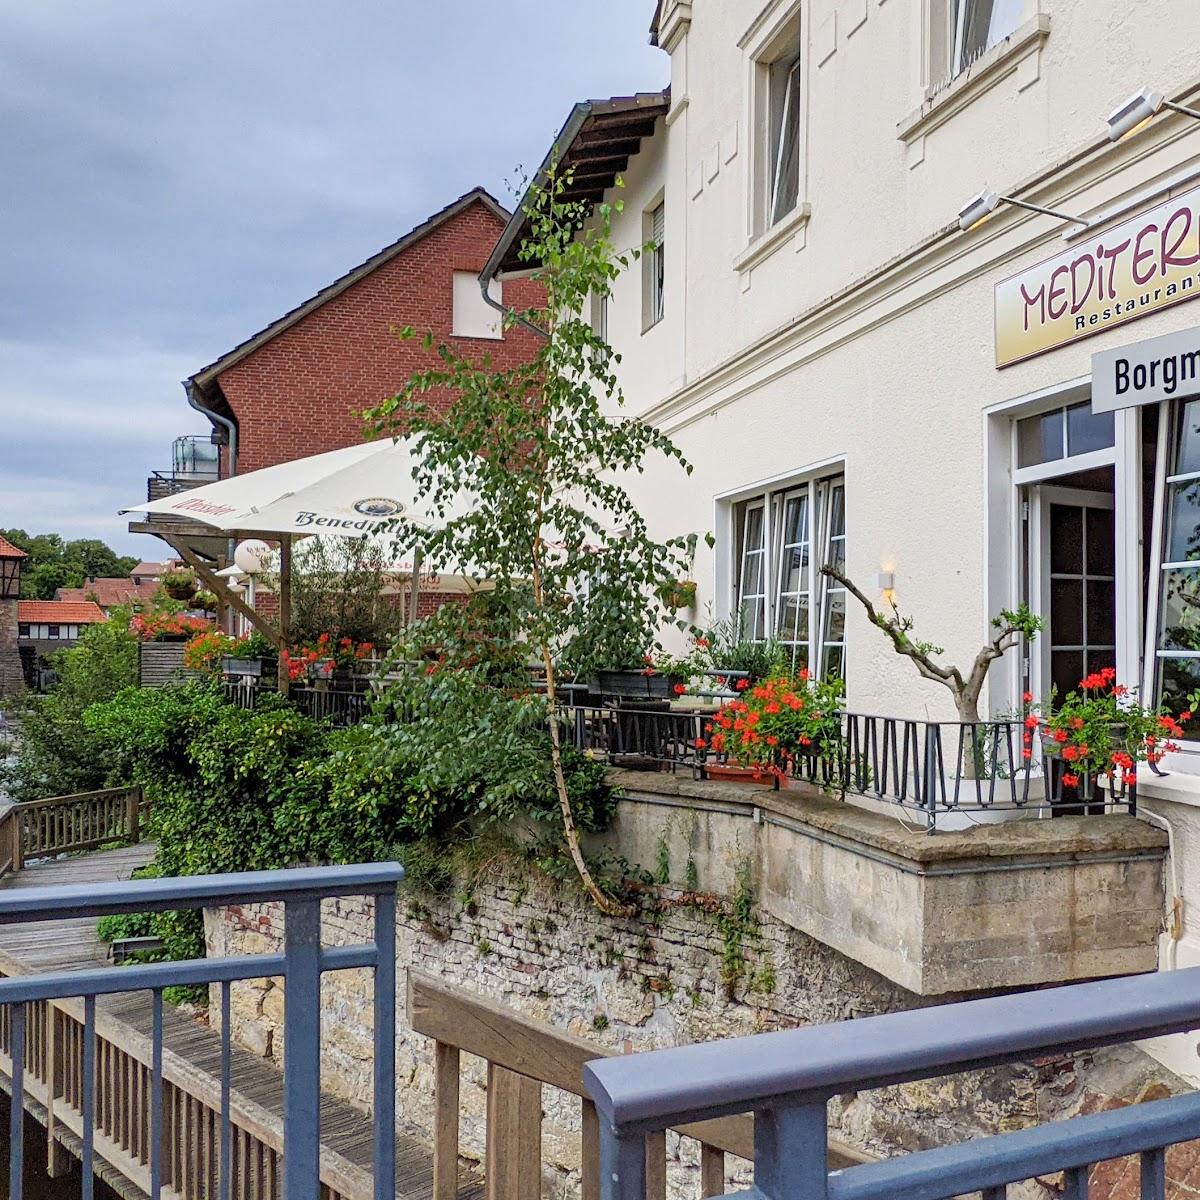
(594, 146)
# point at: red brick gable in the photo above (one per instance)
(301, 391)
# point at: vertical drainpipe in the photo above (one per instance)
(193, 398)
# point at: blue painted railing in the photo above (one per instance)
(301, 965)
(786, 1079)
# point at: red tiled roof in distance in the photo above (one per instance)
(8, 550)
(154, 569)
(58, 612)
(109, 592)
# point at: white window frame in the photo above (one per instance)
(958, 61)
(817, 486)
(945, 34)
(779, 34)
(654, 276)
(1004, 551)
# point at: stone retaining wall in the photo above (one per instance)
(538, 948)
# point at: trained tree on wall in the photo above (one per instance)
(1008, 629)
(538, 451)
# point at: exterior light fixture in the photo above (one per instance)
(885, 581)
(980, 207)
(1140, 108)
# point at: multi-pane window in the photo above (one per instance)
(833, 628)
(784, 96)
(784, 538)
(1178, 648)
(978, 25)
(752, 572)
(52, 631)
(655, 269)
(1062, 433)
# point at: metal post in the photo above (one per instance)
(302, 1050)
(16, 1127)
(385, 1046)
(930, 783)
(622, 1165)
(791, 1148)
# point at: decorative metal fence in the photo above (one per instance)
(786, 1080)
(160, 1125)
(931, 768)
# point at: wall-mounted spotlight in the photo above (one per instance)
(980, 207)
(1140, 108)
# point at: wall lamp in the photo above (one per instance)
(1129, 116)
(979, 208)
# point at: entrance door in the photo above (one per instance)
(1072, 579)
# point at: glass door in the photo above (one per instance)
(1072, 577)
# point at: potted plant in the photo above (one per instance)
(244, 656)
(772, 724)
(681, 593)
(166, 626)
(180, 584)
(725, 651)
(1100, 730)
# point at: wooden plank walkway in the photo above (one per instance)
(73, 945)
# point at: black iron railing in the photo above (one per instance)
(933, 769)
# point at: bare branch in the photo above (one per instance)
(892, 626)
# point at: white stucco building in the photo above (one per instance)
(855, 376)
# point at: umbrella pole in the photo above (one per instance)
(285, 603)
(414, 590)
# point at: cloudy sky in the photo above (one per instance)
(176, 175)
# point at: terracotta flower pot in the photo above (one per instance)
(735, 773)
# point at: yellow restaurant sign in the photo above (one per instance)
(1127, 272)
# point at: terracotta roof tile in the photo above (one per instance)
(58, 612)
(8, 550)
(107, 592)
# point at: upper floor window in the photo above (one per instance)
(23, 629)
(52, 631)
(785, 136)
(978, 25)
(784, 537)
(654, 266)
(473, 316)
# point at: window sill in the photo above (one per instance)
(763, 246)
(652, 325)
(981, 76)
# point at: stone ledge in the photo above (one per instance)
(1019, 903)
(1024, 839)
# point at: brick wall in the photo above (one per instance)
(11, 674)
(300, 392)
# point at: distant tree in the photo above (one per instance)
(55, 562)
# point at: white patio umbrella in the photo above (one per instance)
(354, 492)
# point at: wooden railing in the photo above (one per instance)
(522, 1056)
(69, 824)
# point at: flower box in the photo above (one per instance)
(636, 685)
(736, 773)
(246, 668)
(322, 669)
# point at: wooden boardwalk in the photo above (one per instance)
(61, 945)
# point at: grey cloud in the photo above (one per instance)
(178, 175)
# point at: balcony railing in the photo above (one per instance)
(164, 483)
(936, 770)
(786, 1080)
(113, 1095)
(932, 768)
